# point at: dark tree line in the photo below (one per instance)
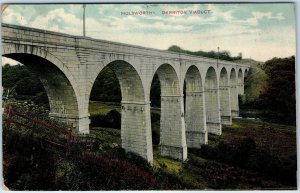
(223, 55)
(22, 84)
(24, 81)
(279, 97)
(106, 87)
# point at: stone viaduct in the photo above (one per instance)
(68, 66)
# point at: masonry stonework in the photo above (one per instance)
(69, 65)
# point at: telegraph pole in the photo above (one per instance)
(218, 58)
(83, 6)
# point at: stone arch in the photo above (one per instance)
(234, 94)
(8, 49)
(135, 111)
(57, 82)
(224, 92)
(106, 62)
(212, 102)
(172, 129)
(196, 132)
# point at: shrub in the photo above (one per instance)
(155, 117)
(244, 154)
(31, 162)
(112, 120)
(108, 172)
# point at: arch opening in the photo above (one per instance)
(129, 101)
(212, 103)
(196, 132)
(234, 94)
(61, 95)
(172, 130)
(19, 83)
(155, 92)
(224, 92)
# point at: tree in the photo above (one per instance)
(106, 87)
(175, 48)
(24, 81)
(223, 55)
(279, 98)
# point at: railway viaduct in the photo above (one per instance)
(69, 65)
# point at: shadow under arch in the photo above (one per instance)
(135, 110)
(246, 73)
(172, 129)
(212, 102)
(196, 132)
(224, 92)
(234, 94)
(61, 95)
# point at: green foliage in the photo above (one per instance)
(270, 90)
(222, 55)
(101, 108)
(236, 164)
(112, 119)
(106, 87)
(254, 83)
(26, 83)
(32, 165)
(279, 98)
(244, 154)
(67, 176)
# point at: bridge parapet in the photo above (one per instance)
(26, 35)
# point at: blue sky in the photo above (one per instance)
(258, 31)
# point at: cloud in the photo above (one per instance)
(8, 61)
(257, 16)
(132, 23)
(194, 32)
(11, 16)
(268, 15)
(56, 20)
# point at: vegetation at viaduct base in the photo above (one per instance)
(250, 154)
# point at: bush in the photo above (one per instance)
(280, 170)
(244, 154)
(31, 163)
(155, 117)
(108, 172)
(112, 120)
(234, 153)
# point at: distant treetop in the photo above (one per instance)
(223, 55)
